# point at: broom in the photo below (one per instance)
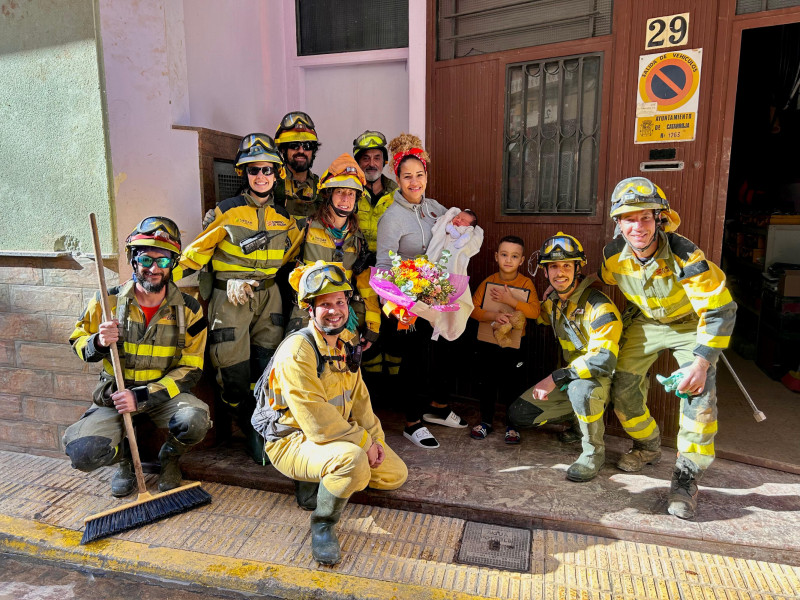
(148, 508)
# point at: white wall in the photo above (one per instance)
(156, 170)
(346, 100)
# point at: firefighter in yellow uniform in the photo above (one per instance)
(315, 414)
(680, 303)
(298, 144)
(333, 235)
(369, 150)
(161, 336)
(587, 325)
(246, 243)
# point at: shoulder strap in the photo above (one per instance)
(309, 337)
(122, 316)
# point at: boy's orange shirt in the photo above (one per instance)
(530, 308)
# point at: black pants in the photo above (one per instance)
(501, 376)
(426, 371)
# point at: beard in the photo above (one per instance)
(372, 175)
(301, 167)
(151, 286)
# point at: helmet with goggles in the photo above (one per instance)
(637, 193)
(154, 232)
(369, 140)
(258, 147)
(318, 279)
(562, 247)
(344, 172)
(296, 126)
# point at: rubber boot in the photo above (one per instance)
(643, 453)
(123, 483)
(324, 543)
(170, 476)
(683, 490)
(305, 492)
(593, 456)
(572, 433)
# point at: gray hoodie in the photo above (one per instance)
(405, 228)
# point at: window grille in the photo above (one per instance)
(469, 27)
(744, 7)
(226, 182)
(325, 27)
(552, 136)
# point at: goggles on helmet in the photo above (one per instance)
(369, 139)
(153, 224)
(155, 232)
(292, 119)
(561, 247)
(315, 279)
(637, 193)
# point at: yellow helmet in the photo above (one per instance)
(562, 247)
(296, 126)
(258, 147)
(344, 172)
(310, 281)
(637, 193)
(369, 140)
(154, 232)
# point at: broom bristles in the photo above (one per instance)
(137, 514)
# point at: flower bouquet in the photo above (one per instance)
(417, 284)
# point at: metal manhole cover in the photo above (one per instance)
(494, 546)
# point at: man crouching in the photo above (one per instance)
(315, 414)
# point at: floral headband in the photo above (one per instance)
(415, 152)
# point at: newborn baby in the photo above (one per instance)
(460, 227)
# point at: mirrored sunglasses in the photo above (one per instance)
(162, 262)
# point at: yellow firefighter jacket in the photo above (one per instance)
(158, 361)
(237, 219)
(369, 213)
(588, 328)
(334, 406)
(320, 245)
(301, 200)
(675, 284)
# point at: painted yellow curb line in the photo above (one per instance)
(38, 540)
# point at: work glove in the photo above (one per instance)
(208, 218)
(672, 382)
(240, 290)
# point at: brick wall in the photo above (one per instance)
(44, 387)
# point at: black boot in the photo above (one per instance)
(123, 483)
(306, 494)
(683, 490)
(168, 456)
(324, 543)
(572, 433)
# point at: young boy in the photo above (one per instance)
(501, 369)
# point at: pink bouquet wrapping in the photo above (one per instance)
(417, 283)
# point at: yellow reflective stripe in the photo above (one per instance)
(719, 300)
(579, 364)
(630, 423)
(686, 447)
(149, 350)
(191, 361)
(172, 388)
(177, 273)
(364, 438)
(567, 345)
(218, 265)
(80, 344)
(609, 345)
(589, 418)
(645, 433)
(696, 426)
(148, 375)
(263, 254)
(713, 341)
(108, 367)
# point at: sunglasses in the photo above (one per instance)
(162, 262)
(293, 118)
(307, 146)
(256, 170)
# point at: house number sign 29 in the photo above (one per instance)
(666, 32)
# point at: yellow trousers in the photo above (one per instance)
(342, 467)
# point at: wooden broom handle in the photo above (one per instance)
(107, 316)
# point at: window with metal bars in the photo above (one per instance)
(325, 27)
(469, 27)
(552, 136)
(753, 6)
